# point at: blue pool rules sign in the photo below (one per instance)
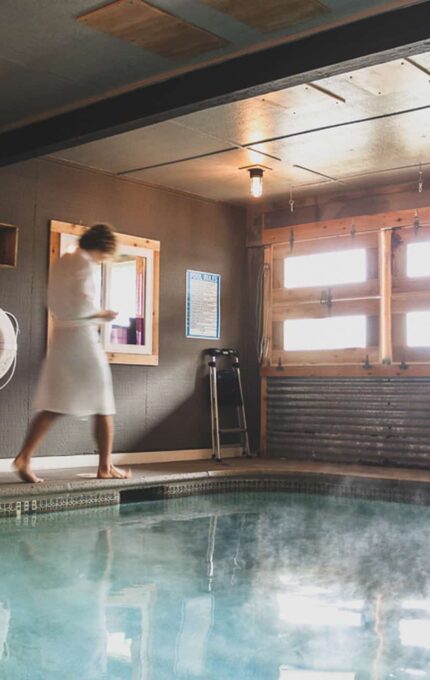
(203, 305)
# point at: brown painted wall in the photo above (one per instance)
(159, 408)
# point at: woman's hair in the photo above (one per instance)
(99, 237)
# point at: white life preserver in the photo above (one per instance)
(8, 344)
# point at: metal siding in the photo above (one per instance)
(376, 420)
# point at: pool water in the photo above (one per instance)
(224, 587)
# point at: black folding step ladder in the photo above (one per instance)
(226, 390)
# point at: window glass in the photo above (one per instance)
(418, 329)
(339, 332)
(325, 269)
(128, 297)
(418, 259)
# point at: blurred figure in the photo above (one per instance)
(76, 378)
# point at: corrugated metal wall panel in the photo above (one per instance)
(373, 420)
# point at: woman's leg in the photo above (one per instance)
(103, 433)
(37, 430)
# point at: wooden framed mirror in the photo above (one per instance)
(129, 284)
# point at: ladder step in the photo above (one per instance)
(232, 430)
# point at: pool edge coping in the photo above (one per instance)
(60, 496)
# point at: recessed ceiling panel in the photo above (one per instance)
(270, 15)
(394, 76)
(221, 177)
(151, 28)
(422, 60)
(312, 96)
(153, 145)
(366, 147)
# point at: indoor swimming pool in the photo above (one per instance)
(245, 586)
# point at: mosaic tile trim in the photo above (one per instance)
(359, 489)
(57, 503)
(381, 490)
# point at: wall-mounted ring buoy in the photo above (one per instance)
(9, 330)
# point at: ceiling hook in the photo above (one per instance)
(416, 223)
(420, 181)
(366, 364)
(291, 201)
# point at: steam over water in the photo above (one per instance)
(225, 587)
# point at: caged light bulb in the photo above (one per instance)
(256, 175)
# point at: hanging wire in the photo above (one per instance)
(262, 314)
(416, 223)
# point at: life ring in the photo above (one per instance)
(8, 344)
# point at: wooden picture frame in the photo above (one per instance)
(8, 245)
(129, 244)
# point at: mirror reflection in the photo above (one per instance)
(128, 285)
(127, 296)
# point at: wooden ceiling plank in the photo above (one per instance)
(151, 28)
(270, 15)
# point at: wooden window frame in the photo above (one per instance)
(385, 297)
(117, 357)
(8, 245)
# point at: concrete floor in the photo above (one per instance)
(83, 479)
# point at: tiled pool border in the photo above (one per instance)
(307, 483)
(16, 507)
(366, 489)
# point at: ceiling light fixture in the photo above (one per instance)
(420, 181)
(256, 176)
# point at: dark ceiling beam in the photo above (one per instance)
(395, 34)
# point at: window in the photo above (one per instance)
(348, 292)
(418, 329)
(339, 332)
(129, 285)
(411, 296)
(325, 269)
(418, 259)
(324, 301)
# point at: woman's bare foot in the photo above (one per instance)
(22, 466)
(113, 473)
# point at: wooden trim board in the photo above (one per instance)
(348, 371)
(58, 227)
(343, 226)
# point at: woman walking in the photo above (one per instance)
(76, 378)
